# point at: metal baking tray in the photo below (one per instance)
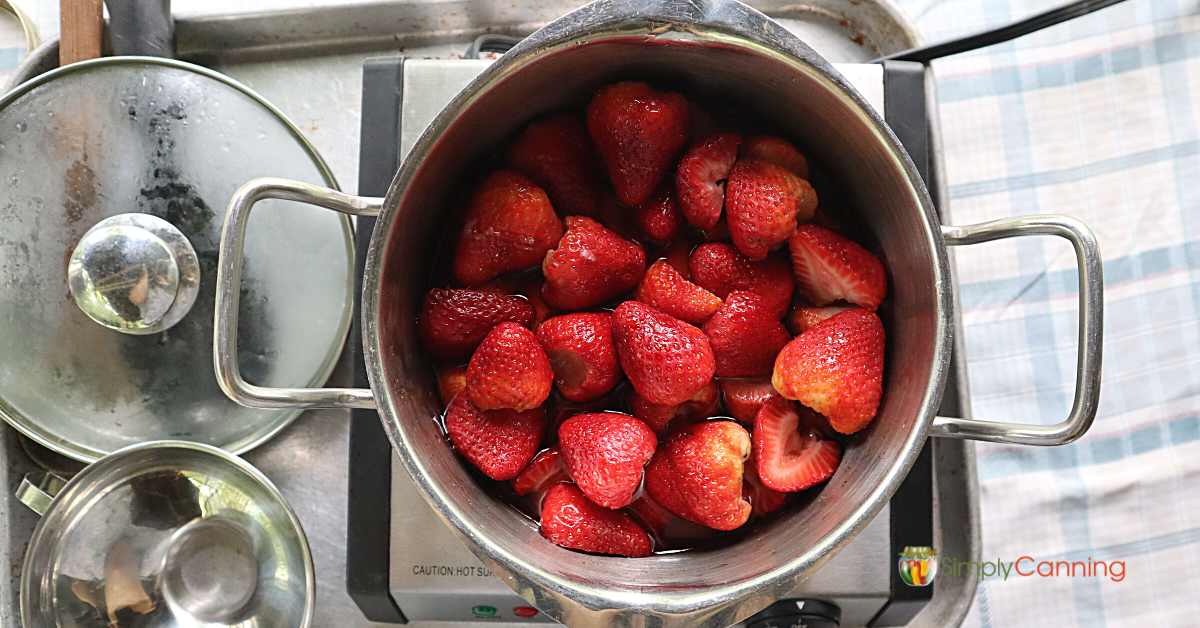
(282, 54)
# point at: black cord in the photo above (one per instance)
(1004, 33)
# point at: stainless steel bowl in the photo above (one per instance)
(726, 50)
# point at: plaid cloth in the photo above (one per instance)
(1097, 118)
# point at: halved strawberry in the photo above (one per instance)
(664, 288)
(605, 453)
(509, 226)
(836, 368)
(763, 500)
(830, 268)
(763, 201)
(592, 265)
(545, 470)
(744, 397)
(666, 360)
(509, 370)
(658, 218)
(453, 321)
(570, 520)
(557, 154)
(777, 151)
(788, 460)
(498, 442)
(582, 353)
(745, 336)
(700, 178)
(451, 380)
(697, 474)
(659, 417)
(719, 268)
(638, 132)
(802, 317)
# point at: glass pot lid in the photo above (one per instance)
(116, 173)
(168, 533)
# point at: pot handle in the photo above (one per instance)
(229, 278)
(37, 493)
(1091, 315)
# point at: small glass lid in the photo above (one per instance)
(116, 174)
(168, 534)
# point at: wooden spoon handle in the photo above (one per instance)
(81, 28)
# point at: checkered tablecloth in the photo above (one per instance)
(1099, 119)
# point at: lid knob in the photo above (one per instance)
(134, 273)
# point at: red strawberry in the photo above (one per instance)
(509, 370)
(659, 218)
(453, 322)
(509, 226)
(638, 132)
(451, 381)
(744, 397)
(677, 256)
(720, 269)
(697, 474)
(570, 520)
(829, 268)
(745, 336)
(763, 201)
(582, 354)
(557, 154)
(500, 442)
(762, 500)
(777, 151)
(605, 453)
(700, 178)
(802, 317)
(701, 406)
(666, 360)
(788, 460)
(545, 470)
(664, 288)
(836, 368)
(528, 286)
(591, 266)
(667, 526)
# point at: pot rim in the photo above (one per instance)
(605, 21)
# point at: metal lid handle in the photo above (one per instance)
(1091, 315)
(229, 277)
(37, 493)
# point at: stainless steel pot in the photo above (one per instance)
(713, 47)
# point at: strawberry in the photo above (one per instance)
(509, 226)
(453, 321)
(677, 256)
(591, 266)
(527, 286)
(666, 360)
(720, 269)
(659, 417)
(664, 288)
(700, 178)
(545, 470)
(582, 354)
(570, 520)
(605, 453)
(763, 500)
(451, 380)
(500, 442)
(777, 151)
(743, 397)
(658, 218)
(803, 317)
(745, 336)
(509, 370)
(557, 154)
(763, 201)
(829, 268)
(836, 368)
(697, 474)
(638, 132)
(788, 460)
(665, 525)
